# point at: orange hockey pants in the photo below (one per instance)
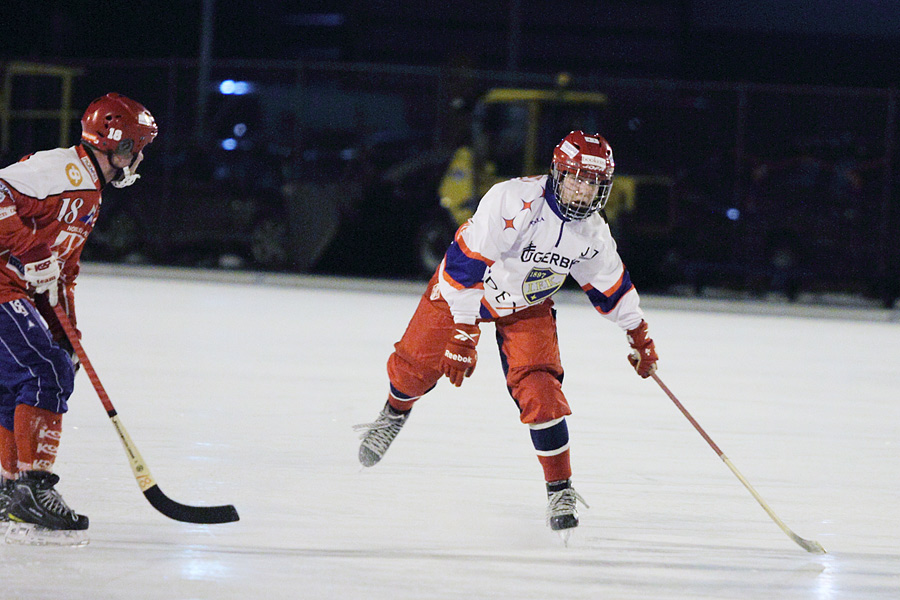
(529, 352)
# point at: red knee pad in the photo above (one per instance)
(409, 376)
(539, 396)
(414, 367)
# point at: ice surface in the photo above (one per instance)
(246, 393)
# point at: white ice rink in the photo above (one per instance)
(246, 393)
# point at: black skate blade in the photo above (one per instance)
(28, 534)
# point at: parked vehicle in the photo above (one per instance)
(407, 216)
(212, 211)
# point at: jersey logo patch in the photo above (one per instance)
(74, 174)
(90, 218)
(541, 283)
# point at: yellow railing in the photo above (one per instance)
(65, 114)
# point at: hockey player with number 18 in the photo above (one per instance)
(504, 265)
(49, 202)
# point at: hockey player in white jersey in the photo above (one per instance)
(503, 266)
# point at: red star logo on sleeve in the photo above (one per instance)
(508, 224)
(526, 205)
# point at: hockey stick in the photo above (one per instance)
(808, 545)
(174, 510)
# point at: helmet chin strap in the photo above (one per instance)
(125, 178)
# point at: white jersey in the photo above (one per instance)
(517, 250)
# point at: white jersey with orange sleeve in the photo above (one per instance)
(517, 250)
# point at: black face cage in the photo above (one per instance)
(578, 211)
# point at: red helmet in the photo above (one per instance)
(587, 161)
(114, 123)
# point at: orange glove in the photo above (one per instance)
(460, 356)
(643, 355)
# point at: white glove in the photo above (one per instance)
(43, 276)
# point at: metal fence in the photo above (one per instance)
(772, 187)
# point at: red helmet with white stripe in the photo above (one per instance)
(116, 124)
(581, 174)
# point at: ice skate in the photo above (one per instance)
(562, 516)
(377, 437)
(39, 516)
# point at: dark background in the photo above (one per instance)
(775, 124)
(835, 42)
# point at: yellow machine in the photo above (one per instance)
(514, 132)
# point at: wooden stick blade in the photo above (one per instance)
(809, 545)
